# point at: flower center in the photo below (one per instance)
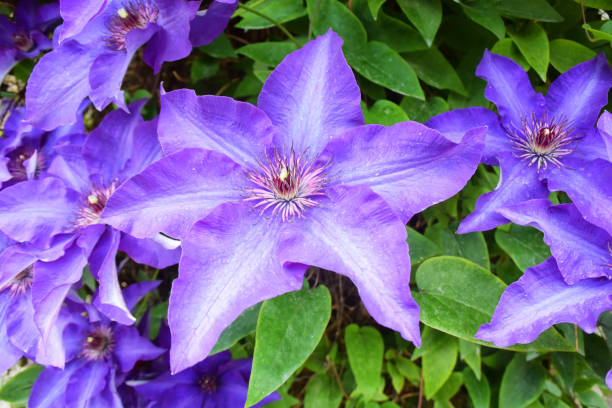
(543, 141)
(287, 185)
(93, 204)
(23, 41)
(99, 343)
(135, 14)
(20, 284)
(17, 166)
(208, 383)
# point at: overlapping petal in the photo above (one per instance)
(130, 347)
(209, 24)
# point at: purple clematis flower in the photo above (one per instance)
(215, 382)
(100, 353)
(541, 143)
(61, 215)
(96, 44)
(573, 286)
(297, 181)
(26, 37)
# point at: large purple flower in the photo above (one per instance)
(541, 143)
(215, 382)
(97, 42)
(100, 353)
(297, 181)
(61, 215)
(26, 37)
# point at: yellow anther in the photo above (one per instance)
(93, 199)
(283, 174)
(90, 339)
(122, 12)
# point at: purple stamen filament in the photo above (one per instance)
(20, 284)
(93, 204)
(99, 343)
(208, 384)
(135, 14)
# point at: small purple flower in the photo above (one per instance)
(26, 37)
(541, 143)
(215, 382)
(96, 44)
(257, 193)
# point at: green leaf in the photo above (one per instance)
(203, 68)
(470, 353)
(450, 387)
(508, 49)
(525, 245)
(433, 69)
(395, 33)
(438, 360)
(604, 32)
(380, 64)
(267, 53)
(522, 383)
(532, 41)
(457, 296)
(592, 399)
(279, 10)
(221, 47)
(422, 111)
(385, 112)
(397, 380)
(244, 324)
(564, 54)
(366, 366)
(484, 13)
(17, 389)
(470, 246)
(374, 6)
(478, 390)
(529, 9)
(326, 14)
(426, 15)
(421, 247)
(322, 391)
(23, 69)
(408, 370)
(288, 330)
(598, 4)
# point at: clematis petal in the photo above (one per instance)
(64, 71)
(148, 252)
(49, 390)
(105, 76)
(37, 209)
(229, 263)
(10, 353)
(605, 129)
(454, 124)
(171, 43)
(580, 249)
(145, 149)
(312, 96)
(8, 58)
(588, 185)
(209, 24)
(70, 166)
(12, 261)
(609, 379)
(357, 234)
(130, 348)
(109, 299)
(509, 88)
(407, 164)
(86, 383)
(52, 281)
(237, 129)
(541, 298)
(579, 94)
(517, 183)
(133, 293)
(76, 14)
(21, 329)
(173, 193)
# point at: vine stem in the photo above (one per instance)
(273, 21)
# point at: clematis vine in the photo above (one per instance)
(60, 216)
(96, 43)
(256, 194)
(215, 382)
(573, 286)
(26, 37)
(541, 143)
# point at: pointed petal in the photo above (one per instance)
(237, 129)
(50, 387)
(605, 128)
(229, 263)
(149, 252)
(517, 183)
(207, 26)
(579, 94)
(312, 96)
(86, 383)
(133, 293)
(455, 123)
(130, 348)
(588, 185)
(173, 193)
(357, 234)
(580, 249)
(105, 77)
(76, 14)
(408, 164)
(540, 299)
(509, 88)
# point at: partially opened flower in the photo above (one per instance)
(96, 44)
(26, 37)
(541, 143)
(296, 181)
(215, 382)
